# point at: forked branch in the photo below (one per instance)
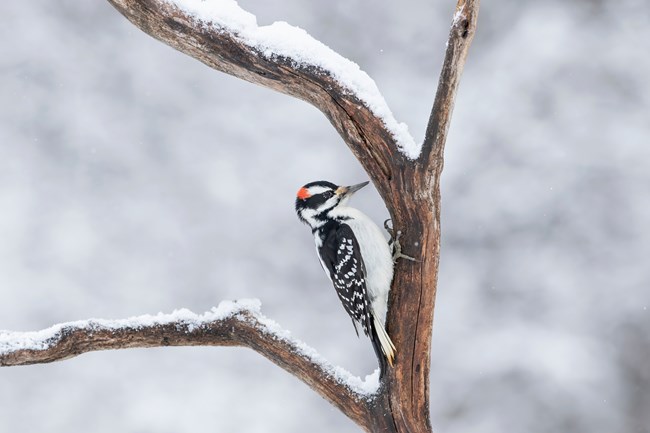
(406, 175)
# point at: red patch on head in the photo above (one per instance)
(303, 194)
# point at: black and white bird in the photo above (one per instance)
(355, 256)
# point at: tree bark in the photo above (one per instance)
(241, 327)
(415, 208)
(410, 189)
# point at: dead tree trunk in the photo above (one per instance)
(408, 182)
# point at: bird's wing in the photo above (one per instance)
(341, 256)
(348, 275)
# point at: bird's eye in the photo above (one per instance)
(328, 194)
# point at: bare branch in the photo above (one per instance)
(461, 34)
(231, 324)
(415, 208)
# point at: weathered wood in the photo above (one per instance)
(415, 208)
(461, 35)
(365, 134)
(410, 189)
(243, 329)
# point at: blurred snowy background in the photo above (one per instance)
(134, 179)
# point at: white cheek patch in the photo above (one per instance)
(308, 214)
(314, 190)
(329, 204)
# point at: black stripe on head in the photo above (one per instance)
(323, 183)
(312, 196)
(317, 196)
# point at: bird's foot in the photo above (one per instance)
(394, 243)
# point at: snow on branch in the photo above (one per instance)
(281, 40)
(287, 59)
(238, 323)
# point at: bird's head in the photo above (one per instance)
(316, 199)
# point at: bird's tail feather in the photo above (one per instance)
(384, 347)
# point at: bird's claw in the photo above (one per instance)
(395, 245)
(389, 229)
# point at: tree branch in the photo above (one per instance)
(237, 323)
(226, 38)
(461, 34)
(267, 56)
(415, 208)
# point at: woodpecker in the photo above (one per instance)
(355, 256)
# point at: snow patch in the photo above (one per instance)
(42, 340)
(283, 40)
(459, 15)
(366, 387)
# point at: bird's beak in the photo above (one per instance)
(347, 191)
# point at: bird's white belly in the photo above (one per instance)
(377, 259)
